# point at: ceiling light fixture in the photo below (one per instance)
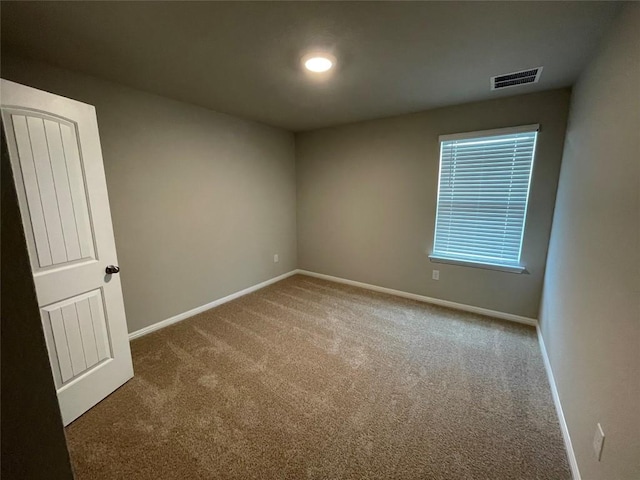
(319, 63)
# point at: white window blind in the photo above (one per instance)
(482, 196)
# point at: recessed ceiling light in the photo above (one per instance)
(319, 62)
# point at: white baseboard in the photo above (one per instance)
(202, 308)
(422, 298)
(571, 456)
(390, 291)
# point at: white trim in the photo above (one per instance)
(571, 456)
(413, 296)
(208, 306)
(421, 298)
(534, 127)
(468, 263)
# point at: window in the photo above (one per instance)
(482, 197)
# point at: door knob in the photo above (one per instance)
(112, 269)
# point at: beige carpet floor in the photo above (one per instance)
(308, 379)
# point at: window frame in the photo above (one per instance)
(439, 258)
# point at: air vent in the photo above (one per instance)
(516, 78)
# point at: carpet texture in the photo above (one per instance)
(308, 379)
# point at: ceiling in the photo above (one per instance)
(243, 58)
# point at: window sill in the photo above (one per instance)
(486, 266)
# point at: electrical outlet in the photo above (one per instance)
(598, 442)
(276, 259)
(435, 274)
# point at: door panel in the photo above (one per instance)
(79, 337)
(54, 188)
(57, 167)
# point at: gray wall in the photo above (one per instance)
(200, 201)
(590, 316)
(367, 201)
(33, 442)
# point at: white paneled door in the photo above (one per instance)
(57, 168)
